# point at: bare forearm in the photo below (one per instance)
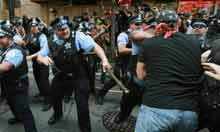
(138, 36)
(34, 55)
(100, 53)
(4, 67)
(141, 71)
(125, 51)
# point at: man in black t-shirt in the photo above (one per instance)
(170, 64)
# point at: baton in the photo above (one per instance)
(121, 85)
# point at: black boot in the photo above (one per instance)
(54, 119)
(100, 100)
(13, 121)
(47, 104)
(67, 99)
(46, 107)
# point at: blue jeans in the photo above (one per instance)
(165, 120)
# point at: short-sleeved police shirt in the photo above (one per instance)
(14, 57)
(173, 72)
(82, 41)
(122, 39)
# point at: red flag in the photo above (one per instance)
(124, 2)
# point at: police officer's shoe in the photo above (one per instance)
(66, 99)
(54, 119)
(38, 98)
(46, 107)
(1, 99)
(100, 100)
(13, 121)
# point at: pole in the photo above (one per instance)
(215, 7)
(177, 5)
(113, 28)
(11, 9)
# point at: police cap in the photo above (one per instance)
(135, 19)
(60, 23)
(34, 21)
(5, 31)
(199, 23)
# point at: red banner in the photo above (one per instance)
(191, 5)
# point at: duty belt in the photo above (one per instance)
(59, 71)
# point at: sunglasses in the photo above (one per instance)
(199, 26)
(138, 24)
(61, 29)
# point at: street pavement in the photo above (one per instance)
(69, 123)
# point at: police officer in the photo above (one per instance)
(68, 56)
(9, 25)
(124, 49)
(199, 29)
(133, 98)
(38, 44)
(14, 80)
(130, 100)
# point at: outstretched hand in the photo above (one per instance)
(212, 70)
(44, 60)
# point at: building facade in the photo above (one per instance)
(41, 8)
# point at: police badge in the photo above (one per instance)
(67, 45)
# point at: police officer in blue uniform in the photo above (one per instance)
(130, 100)
(199, 30)
(67, 55)
(14, 80)
(124, 49)
(38, 44)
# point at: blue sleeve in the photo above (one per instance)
(84, 42)
(122, 39)
(15, 57)
(44, 51)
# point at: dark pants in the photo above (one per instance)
(130, 100)
(134, 97)
(92, 70)
(209, 116)
(20, 108)
(18, 101)
(62, 83)
(108, 84)
(2, 94)
(41, 75)
(209, 101)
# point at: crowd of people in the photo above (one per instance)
(169, 61)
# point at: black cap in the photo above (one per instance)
(135, 19)
(5, 31)
(168, 16)
(60, 23)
